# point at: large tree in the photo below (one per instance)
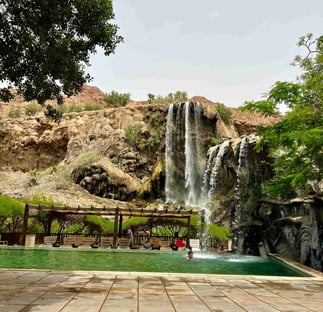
(296, 141)
(46, 44)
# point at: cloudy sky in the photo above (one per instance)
(227, 51)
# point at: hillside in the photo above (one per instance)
(40, 157)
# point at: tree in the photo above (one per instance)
(48, 43)
(296, 140)
(11, 214)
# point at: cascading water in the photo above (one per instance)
(241, 175)
(214, 177)
(182, 153)
(170, 196)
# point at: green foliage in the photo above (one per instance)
(132, 134)
(41, 199)
(296, 140)
(76, 108)
(47, 45)
(32, 109)
(86, 159)
(116, 99)
(134, 221)
(225, 113)
(63, 178)
(10, 207)
(14, 113)
(104, 226)
(34, 173)
(218, 232)
(177, 97)
(92, 106)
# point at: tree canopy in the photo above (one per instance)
(46, 45)
(296, 141)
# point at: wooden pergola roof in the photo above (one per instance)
(32, 210)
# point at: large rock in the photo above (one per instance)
(105, 180)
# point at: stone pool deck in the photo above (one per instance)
(57, 291)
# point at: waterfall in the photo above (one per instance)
(168, 154)
(241, 178)
(214, 177)
(182, 153)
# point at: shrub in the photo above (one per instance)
(32, 109)
(75, 108)
(92, 106)
(132, 134)
(219, 232)
(225, 113)
(116, 99)
(10, 207)
(86, 159)
(14, 113)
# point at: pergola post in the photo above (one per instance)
(49, 222)
(115, 230)
(25, 225)
(188, 237)
(202, 229)
(120, 225)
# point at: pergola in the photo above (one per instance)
(32, 210)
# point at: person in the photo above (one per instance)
(173, 246)
(147, 243)
(190, 255)
(130, 235)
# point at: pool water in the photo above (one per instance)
(140, 261)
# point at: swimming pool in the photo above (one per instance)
(70, 259)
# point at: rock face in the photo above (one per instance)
(132, 138)
(105, 180)
(292, 228)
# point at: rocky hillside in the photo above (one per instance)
(102, 156)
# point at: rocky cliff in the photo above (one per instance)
(37, 153)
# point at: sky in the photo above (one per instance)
(227, 51)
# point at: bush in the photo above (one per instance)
(92, 106)
(132, 134)
(219, 232)
(225, 113)
(177, 97)
(116, 99)
(10, 207)
(74, 108)
(14, 113)
(32, 109)
(85, 159)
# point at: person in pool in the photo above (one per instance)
(190, 255)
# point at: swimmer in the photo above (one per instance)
(190, 255)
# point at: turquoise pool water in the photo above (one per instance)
(140, 261)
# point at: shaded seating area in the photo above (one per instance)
(32, 210)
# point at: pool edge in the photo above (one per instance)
(298, 266)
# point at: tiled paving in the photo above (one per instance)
(39, 290)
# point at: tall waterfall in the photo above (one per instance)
(241, 177)
(170, 196)
(182, 153)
